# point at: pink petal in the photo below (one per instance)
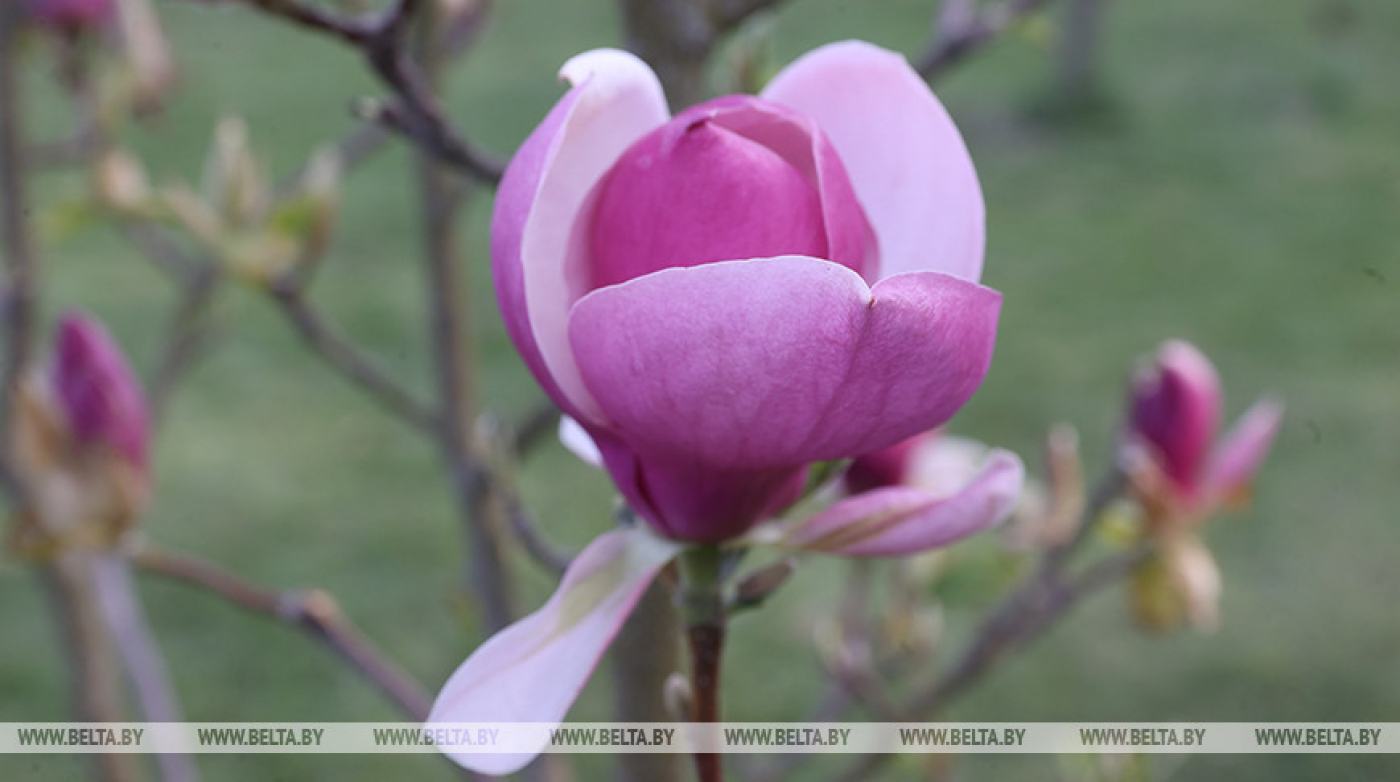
(850, 239)
(776, 363)
(909, 165)
(897, 521)
(1176, 409)
(1238, 456)
(533, 670)
(693, 192)
(536, 243)
(685, 500)
(97, 391)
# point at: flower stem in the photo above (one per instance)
(702, 603)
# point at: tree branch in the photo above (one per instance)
(346, 358)
(313, 611)
(965, 30)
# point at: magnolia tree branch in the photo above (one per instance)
(349, 360)
(467, 461)
(186, 337)
(964, 28)
(313, 611)
(1043, 598)
(415, 111)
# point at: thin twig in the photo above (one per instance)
(342, 354)
(468, 464)
(976, 30)
(186, 338)
(534, 429)
(313, 611)
(415, 112)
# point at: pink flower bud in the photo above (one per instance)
(96, 391)
(72, 14)
(1176, 410)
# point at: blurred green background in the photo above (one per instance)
(1241, 189)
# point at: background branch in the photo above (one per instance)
(964, 29)
(315, 612)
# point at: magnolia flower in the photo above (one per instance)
(81, 441)
(1174, 415)
(721, 299)
(71, 14)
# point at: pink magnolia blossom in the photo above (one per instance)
(72, 14)
(718, 300)
(757, 284)
(1175, 413)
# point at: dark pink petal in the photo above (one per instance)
(537, 245)
(850, 239)
(909, 165)
(1176, 410)
(533, 670)
(776, 363)
(695, 502)
(692, 193)
(1237, 457)
(883, 468)
(71, 13)
(897, 521)
(97, 391)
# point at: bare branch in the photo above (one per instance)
(961, 32)
(415, 112)
(346, 358)
(313, 611)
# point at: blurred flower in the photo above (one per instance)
(1174, 412)
(1174, 416)
(150, 65)
(81, 442)
(71, 15)
(720, 300)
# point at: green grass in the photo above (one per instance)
(1242, 192)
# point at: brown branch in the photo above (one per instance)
(342, 355)
(965, 33)
(313, 611)
(535, 429)
(187, 336)
(415, 112)
(1032, 608)
(468, 463)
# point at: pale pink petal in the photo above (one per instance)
(536, 241)
(909, 165)
(579, 442)
(533, 670)
(780, 362)
(1238, 456)
(943, 464)
(897, 521)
